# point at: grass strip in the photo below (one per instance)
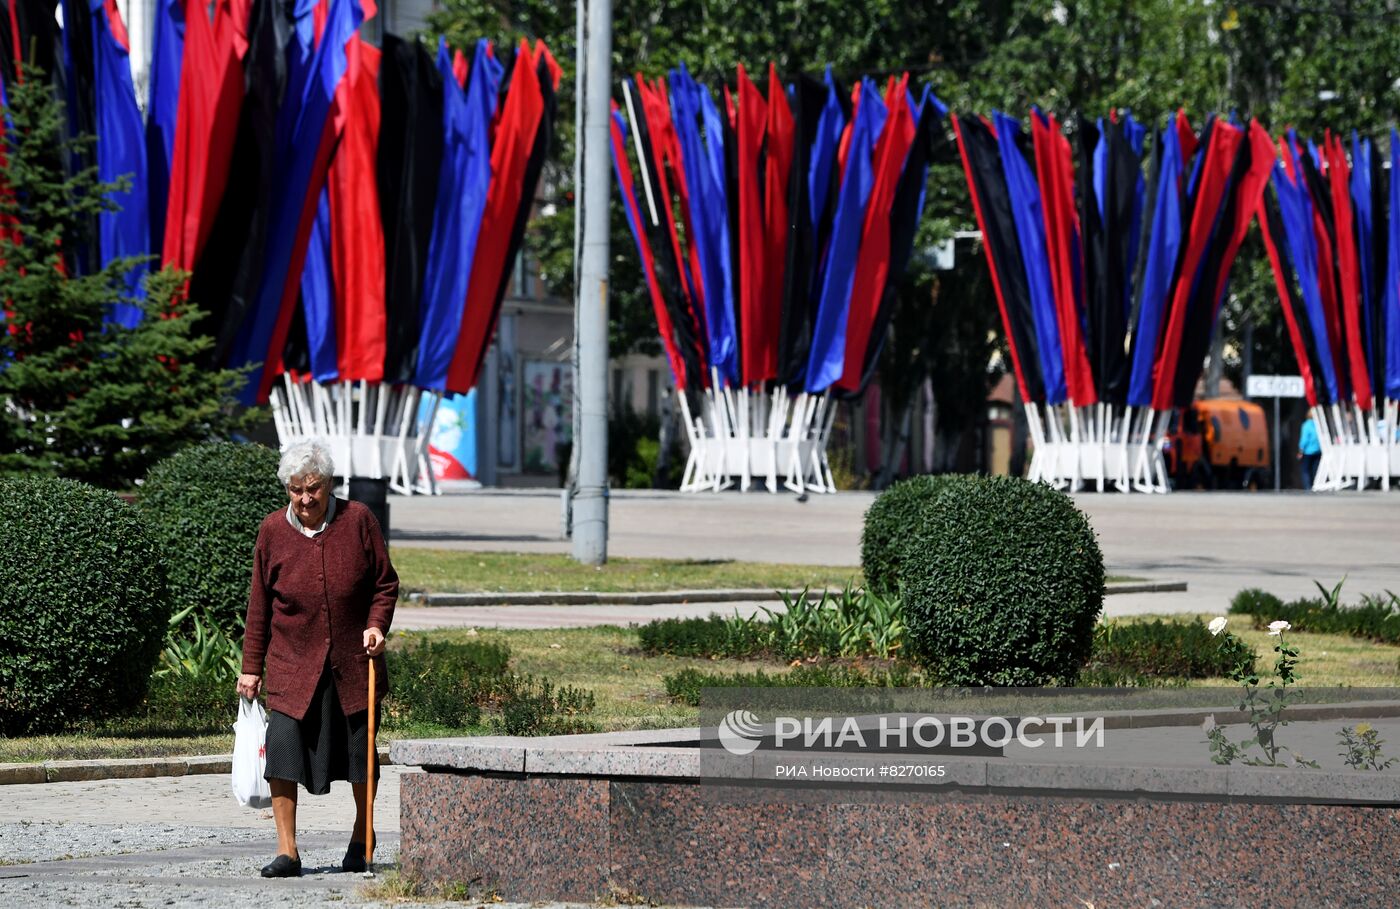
(459, 571)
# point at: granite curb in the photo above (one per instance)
(660, 597)
(124, 768)
(672, 754)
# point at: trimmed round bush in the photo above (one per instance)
(84, 604)
(203, 506)
(1003, 584)
(885, 536)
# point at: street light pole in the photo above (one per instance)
(590, 499)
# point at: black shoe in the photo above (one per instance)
(282, 866)
(354, 860)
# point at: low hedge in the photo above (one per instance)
(713, 636)
(466, 685)
(1374, 617)
(84, 603)
(1003, 584)
(686, 686)
(1134, 652)
(204, 506)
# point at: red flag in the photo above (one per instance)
(1348, 279)
(1215, 173)
(519, 120)
(460, 67)
(357, 232)
(873, 260)
(629, 200)
(776, 224)
(292, 286)
(1054, 170)
(666, 152)
(753, 116)
(211, 93)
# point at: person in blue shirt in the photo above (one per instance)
(1309, 451)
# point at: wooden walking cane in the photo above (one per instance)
(369, 777)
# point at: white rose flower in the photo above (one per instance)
(1278, 628)
(1217, 625)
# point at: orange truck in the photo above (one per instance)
(1221, 443)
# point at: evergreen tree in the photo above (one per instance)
(81, 397)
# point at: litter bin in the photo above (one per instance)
(373, 493)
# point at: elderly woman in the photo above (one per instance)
(322, 599)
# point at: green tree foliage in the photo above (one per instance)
(98, 403)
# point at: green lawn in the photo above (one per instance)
(630, 694)
(458, 571)
(74, 746)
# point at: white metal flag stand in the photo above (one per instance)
(1358, 446)
(1099, 446)
(372, 428)
(743, 435)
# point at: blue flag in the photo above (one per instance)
(1361, 202)
(1392, 281)
(1162, 248)
(121, 152)
(827, 359)
(167, 53)
(1136, 134)
(824, 147)
(1024, 193)
(1295, 208)
(709, 214)
(318, 295)
(463, 182)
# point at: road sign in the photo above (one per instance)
(1274, 387)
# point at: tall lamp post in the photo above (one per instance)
(592, 164)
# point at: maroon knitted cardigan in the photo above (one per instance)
(314, 597)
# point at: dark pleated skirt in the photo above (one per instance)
(324, 746)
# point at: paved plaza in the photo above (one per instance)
(1217, 542)
(184, 842)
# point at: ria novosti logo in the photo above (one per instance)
(740, 732)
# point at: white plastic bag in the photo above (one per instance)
(250, 756)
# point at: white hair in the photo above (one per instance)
(306, 459)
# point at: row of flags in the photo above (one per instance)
(773, 222)
(347, 212)
(773, 227)
(1332, 230)
(1110, 262)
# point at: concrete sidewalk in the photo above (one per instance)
(184, 842)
